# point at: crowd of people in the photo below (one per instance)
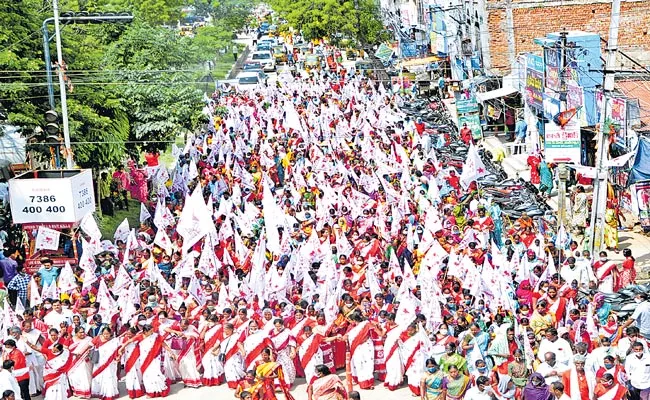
(311, 222)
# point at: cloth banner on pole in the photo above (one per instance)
(47, 239)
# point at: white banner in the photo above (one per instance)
(51, 196)
(47, 239)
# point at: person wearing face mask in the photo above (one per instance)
(482, 390)
(393, 358)
(610, 366)
(251, 348)
(641, 316)
(480, 370)
(433, 385)
(624, 345)
(596, 356)
(604, 271)
(608, 389)
(451, 357)
(637, 366)
(212, 368)
(55, 373)
(310, 354)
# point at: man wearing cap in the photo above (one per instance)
(577, 384)
(21, 372)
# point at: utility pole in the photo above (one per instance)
(64, 99)
(562, 172)
(600, 183)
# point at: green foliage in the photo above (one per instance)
(333, 19)
(231, 15)
(129, 85)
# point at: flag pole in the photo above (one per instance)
(348, 367)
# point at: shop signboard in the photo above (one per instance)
(535, 81)
(562, 143)
(409, 50)
(62, 196)
(464, 106)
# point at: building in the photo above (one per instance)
(512, 26)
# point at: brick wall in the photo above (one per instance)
(533, 20)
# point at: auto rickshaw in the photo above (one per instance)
(279, 54)
(351, 54)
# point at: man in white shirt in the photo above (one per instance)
(482, 390)
(637, 367)
(625, 343)
(557, 389)
(556, 345)
(8, 380)
(550, 369)
(641, 315)
(573, 272)
(55, 317)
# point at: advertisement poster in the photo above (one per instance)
(535, 81)
(552, 62)
(474, 123)
(575, 99)
(643, 200)
(562, 144)
(618, 115)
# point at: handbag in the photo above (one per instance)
(177, 343)
(94, 356)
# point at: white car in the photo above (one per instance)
(249, 79)
(265, 58)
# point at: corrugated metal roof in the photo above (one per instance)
(639, 89)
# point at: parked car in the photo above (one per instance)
(251, 78)
(265, 58)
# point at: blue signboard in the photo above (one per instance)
(409, 49)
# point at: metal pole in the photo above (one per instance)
(599, 201)
(46, 44)
(562, 176)
(562, 172)
(64, 100)
(48, 63)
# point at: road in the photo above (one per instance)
(299, 392)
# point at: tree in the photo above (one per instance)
(129, 85)
(316, 19)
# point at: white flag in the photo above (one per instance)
(34, 294)
(473, 168)
(122, 281)
(89, 225)
(50, 291)
(195, 221)
(67, 280)
(162, 240)
(107, 305)
(144, 213)
(47, 239)
(122, 231)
